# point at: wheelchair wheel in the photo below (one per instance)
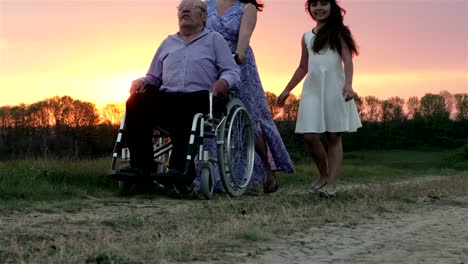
(162, 148)
(236, 149)
(206, 181)
(125, 187)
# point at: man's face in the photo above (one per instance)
(190, 13)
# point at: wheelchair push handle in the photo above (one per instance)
(238, 59)
(210, 115)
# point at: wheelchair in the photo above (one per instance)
(234, 135)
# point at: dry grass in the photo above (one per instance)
(153, 229)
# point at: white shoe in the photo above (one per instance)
(326, 194)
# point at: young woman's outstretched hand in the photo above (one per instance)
(348, 92)
(282, 98)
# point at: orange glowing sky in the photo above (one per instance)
(92, 49)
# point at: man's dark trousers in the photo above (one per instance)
(172, 112)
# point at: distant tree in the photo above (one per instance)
(61, 109)
(449, 102)
(433, 106)
(373, 108)
(39, 114)
(84, 114)
(461, 106)
(84, 120)
(271, 100)
(5, 125)
(18, 115)
(5, 117)
(112, 113)
(359, 101)
(413, 106)
(291, 106)
(41, 120)
(392, 109)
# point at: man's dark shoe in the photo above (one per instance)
(169, 178)
(135, 171)
(184, 189)
(131, 175)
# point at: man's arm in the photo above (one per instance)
(153, 76)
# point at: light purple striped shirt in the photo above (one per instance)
(194, 66)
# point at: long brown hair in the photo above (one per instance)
(257, 5)
(333, 31)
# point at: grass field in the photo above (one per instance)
(65, 211)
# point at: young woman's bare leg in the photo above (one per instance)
(319, 155)
(335, 158)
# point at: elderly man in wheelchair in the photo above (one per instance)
(186, 70)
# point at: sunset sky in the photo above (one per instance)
(92, 49)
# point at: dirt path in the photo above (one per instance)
(437, 232)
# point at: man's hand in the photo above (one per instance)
(137, 87)
(220, 88)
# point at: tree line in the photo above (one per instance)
(434, 121)
(57, 126)
(371, 108)
(63, 126)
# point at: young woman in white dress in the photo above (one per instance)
(327, 104)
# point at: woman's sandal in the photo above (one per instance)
(316, 188)
(271, 188)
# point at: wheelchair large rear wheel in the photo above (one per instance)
(236, 149)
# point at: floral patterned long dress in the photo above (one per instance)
(251, 93)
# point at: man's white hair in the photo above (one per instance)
(199, 3)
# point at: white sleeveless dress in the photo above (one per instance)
(322, 107)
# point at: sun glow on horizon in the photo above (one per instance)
(114, 87)
(3, 45)
(100, 90)
(412, 77)
(91, 50)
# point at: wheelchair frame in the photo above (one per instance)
(235, 149)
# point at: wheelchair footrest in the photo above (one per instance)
(131, 177)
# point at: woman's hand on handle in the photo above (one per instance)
(239, 58)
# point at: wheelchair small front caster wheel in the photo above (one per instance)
(125, 187)
(206, 182)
